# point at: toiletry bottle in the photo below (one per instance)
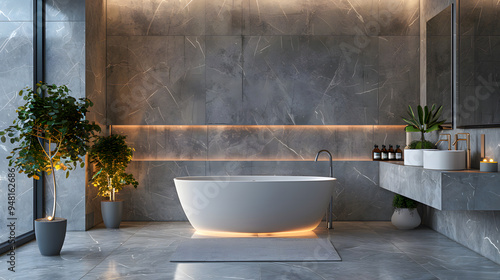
(383, 154)
(391, 153)
(376, 153)
(399, 153)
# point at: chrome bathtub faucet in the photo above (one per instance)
(329, 213)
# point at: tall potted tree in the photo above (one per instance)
(111, 156)
(426, 120)
(52, 134)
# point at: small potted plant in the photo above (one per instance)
(111, 155)
(405, 214)
(425, 121)
(52, 134)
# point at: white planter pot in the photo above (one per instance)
(404, 218)
(415, 157)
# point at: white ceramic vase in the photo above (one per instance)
(404, 218)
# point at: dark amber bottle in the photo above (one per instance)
(391, 153)
(399, 153)
(384, 154)
(376, 153)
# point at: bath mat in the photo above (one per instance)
(255, 250)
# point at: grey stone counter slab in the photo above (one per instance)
(443, 190)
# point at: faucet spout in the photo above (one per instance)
(448, 139)
(329, 215)
(330, 156)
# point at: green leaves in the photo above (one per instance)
(56, 117)
(400, 201)
(111, 156)
(426, 121)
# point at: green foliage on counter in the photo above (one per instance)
(418, 145)
(426, 120)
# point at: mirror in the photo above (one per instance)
(478, 103)
(439, 70)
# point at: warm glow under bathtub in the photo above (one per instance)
(254, 204)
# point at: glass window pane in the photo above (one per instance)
(16, 56)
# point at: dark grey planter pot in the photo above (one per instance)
(50, 235)
(112, 213)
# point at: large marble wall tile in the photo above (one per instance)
(156, 80)
(357, 196)
(479, 17)
(20, 10)
(224, 78)
(65, 10)
(399, 17)
(309, 80)
(65, 55)
(399, 77)
(156, 17)
(297, 17)
(389, 135)
(224, 17)
(155, 199)
(352, 142)
(165, 143)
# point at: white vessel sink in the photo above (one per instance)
(444, 160)
(415, 157)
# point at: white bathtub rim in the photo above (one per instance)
(255, 178)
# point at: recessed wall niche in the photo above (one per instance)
(256, 142)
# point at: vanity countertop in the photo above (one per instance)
(441, 189)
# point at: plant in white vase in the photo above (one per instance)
(405, 214)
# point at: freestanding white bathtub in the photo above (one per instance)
(254, 204)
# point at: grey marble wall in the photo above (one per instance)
(65, 64)
(261, 62)
(16, 49)
(357, 196)
(478, 230)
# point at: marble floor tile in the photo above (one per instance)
(142, 250)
